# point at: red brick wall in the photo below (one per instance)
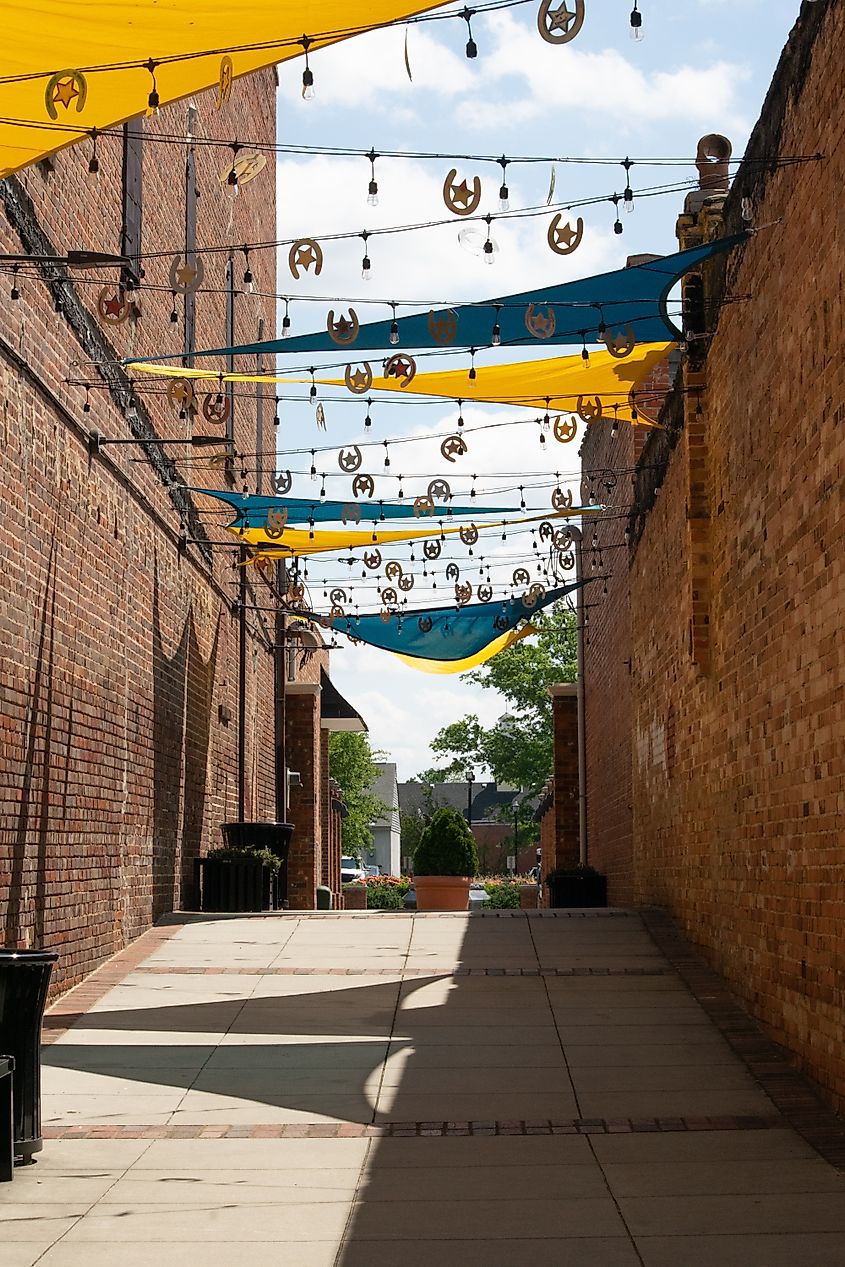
(607, 644)
(739, 660)
(304, 755)
(117, 650)
(559, 826)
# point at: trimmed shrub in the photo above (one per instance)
(503, 894)
(447, 846)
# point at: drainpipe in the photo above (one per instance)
(578, 537)
(242, 557)
(280, 698)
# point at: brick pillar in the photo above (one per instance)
(302, 733)
(326, 810)
(565, 727)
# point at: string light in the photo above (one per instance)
(14, 293)
(86, 408)
(628, 193)
(232, 186)
(460, 414)
(372, 190)
(286, 321)
(617, 225)
(368, 422)
(636, 23)
(93, 162)
(585, 355)
(313, 389)
(153, 101)
(471, 49)
(307, 74)
(276, 418)
(496, 335)
(174, 315)
(386, 455)
(247, 272)
(472, 372)
(366, 266)
(489, 248)
(504, 195)
(394, 327)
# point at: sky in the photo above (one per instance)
(703, 66)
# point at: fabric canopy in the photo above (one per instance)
(566, 313)
(472, 661)
(444, 633)
(297, 542)
(559, 381)
(51, 51)
(251, 511)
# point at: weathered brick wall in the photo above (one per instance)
(738, 655)
(607, 642)
(118, 651)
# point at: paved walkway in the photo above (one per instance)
(537, 1089)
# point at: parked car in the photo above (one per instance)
(351, 870)
(372, 870)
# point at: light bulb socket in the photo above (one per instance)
(472, 49)
(496, 336)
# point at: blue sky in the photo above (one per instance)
(703, 66)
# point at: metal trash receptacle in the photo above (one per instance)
(24, 982)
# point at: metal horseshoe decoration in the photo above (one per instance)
(501, 622)
(423, 506)
(363, 486)
(337, 612)
(564, 241)
(561, 500)
(214, 409)
(185, 277)
(113, 306)
(276, 522)
(463, 594)
(406, 582)
(439, 490)
(350, 460)
(485, 593)
(565, 429)
(545, 532)
(459, 198)
(425, 624)
(539, 323)
(282, 482)
(344, 330)
(393, 570)
(453, 572)
(452, 447)
(563, 539)
(384, 616)
(338, 596)
(566, 560)
(401, 367)
(180, 394)
(303, 254)
(469, 535)
(431, 549)
(443, 329)
(350, 513)
(389, 595)
(560, 25)
(372, 559)
(521, 576)
(361, 380)
(224, 80)
(63, 88)
(622, 344)
(587, 409)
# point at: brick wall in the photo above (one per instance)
(118, 649)
(738, 700)
(559, 836)
(607, 642)
(306, 809)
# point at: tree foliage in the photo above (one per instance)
(352, 763)
(447, 846)
(518, 748)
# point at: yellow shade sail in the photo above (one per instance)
(560, 381)
(55, 88)
(470, 662)
(299, 542)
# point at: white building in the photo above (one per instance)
(385, 848)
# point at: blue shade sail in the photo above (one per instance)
(251, 511)
(445, 633)
(567, 313)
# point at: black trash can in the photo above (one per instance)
(24, 981)
(7, 1123)
(272, 836)
(576, 888)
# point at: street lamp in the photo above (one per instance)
(470, 777)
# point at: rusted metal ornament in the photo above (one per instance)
(564, 241)
(459, 198)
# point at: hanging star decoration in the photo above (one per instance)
(560, 25)
(460, 198)
(303, 254)
(64, 88)
(186, 277)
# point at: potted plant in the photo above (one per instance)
(444, 863)
(576, 886)
(238, 879)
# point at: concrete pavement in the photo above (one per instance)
(525, 1088)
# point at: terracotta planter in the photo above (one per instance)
(442, 892)
(355, 898)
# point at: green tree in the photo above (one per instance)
(518, 748)
(352, 762)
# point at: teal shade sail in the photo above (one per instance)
(445, 633)
(569, 313)
(251, 511)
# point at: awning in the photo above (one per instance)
(336, 713)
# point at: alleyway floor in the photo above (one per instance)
(399, 1091)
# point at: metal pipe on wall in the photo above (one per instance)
(578, 537)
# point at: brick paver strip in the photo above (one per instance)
(768, 1063)
(345, 1130)
(182, 970)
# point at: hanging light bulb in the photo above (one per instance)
(386, 455)
(628, 193)
(372, 188)
(14, 293)
(496, 334)
(86, 408)
(307, 74)
(585, 355)
(174, 315)
(460, 414)
(504, 194)
(313, 389)
(232, 186)
(472, 373)
(636, 23)
(617, 225)
(368, 422)
(366, 267)
(276, 419)
(247, 272)
(313, 471)
(153, 100)
(394, 327)
(286, 321)
(93, 161)
(472, 48)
